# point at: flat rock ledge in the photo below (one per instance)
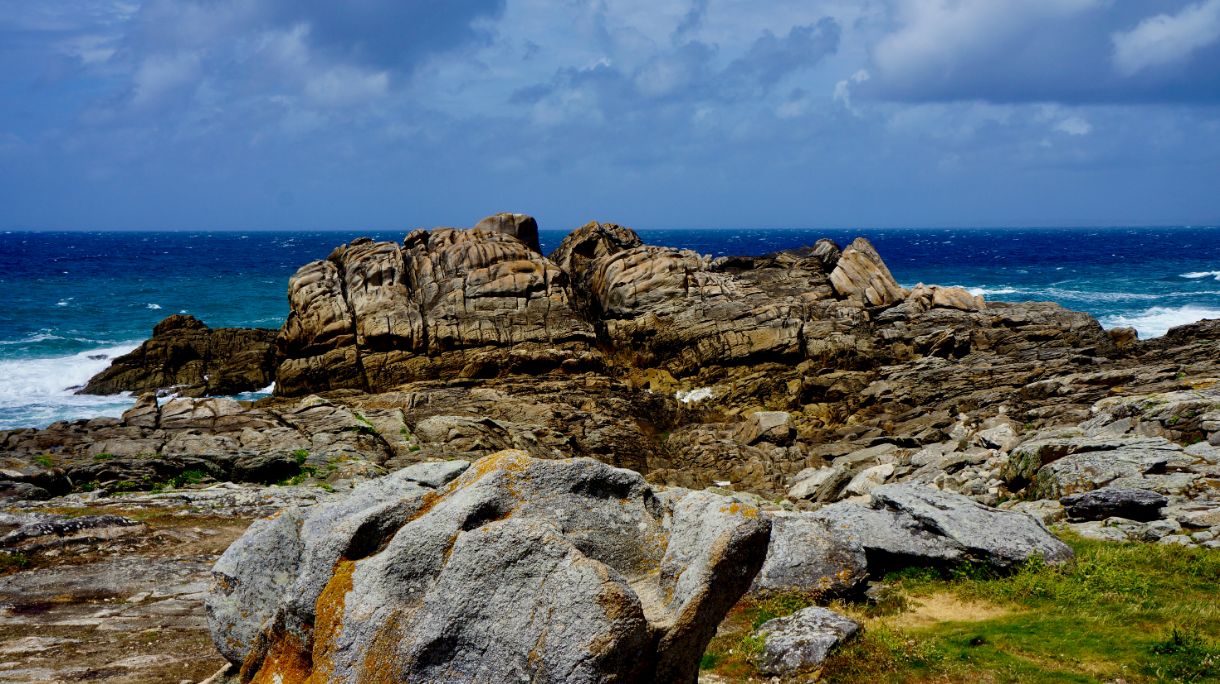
(520, 569)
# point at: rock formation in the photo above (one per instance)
(194, 360)
(519, 570)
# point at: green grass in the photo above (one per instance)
(103, 457)
(1136, 612)
(45, 460)
(300, 456)
(187, 477)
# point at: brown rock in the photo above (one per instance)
(861, 274)
(185, 354)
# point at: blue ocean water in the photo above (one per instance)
(73, 301)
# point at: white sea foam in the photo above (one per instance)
(39, 391)
(32, 339)
(1195, 275)
(989, 291)
(154, 306)
(1157, 320)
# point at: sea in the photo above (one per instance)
(73, 301)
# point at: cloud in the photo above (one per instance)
(1070, 51)
(1167, 38)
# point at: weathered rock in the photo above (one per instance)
(572, 569)
(474, 303)
(767, 426)
(932, 296)
(1109, 502)
(808, 555)
(861, 274)
(60, 531)
(196, 360)
(909, 524)
(520, 226)
(801, 641)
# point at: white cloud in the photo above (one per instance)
(938, 35)
(159, 75)
(1074, 125)
(344, 85)
(1167, 38)
(842, 92)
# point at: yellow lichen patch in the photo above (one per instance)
(736, 508)
(328, 621)
(286, 662)
(380, 661)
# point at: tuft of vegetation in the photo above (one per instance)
(103, 457)
(300, 456)
(13, 562)
(45, 460)
(187, 477)
(1132, 611)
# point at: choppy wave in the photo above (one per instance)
(1194, 275)
(31, 339)
(1157, 321)
(39, 391)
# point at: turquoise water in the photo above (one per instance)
(73, 301)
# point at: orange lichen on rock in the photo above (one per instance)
(741, 509)
(329, 621)
(285, 662)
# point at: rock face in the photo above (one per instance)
(569, 571)
(196, 360)
(801, 641)
(474, 303)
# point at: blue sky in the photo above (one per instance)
(389, 114)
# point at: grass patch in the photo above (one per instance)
(1132, 611)
(300, 456)
(187, 477)
(45, 460)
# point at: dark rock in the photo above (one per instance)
(1110, 502)
(185, 354)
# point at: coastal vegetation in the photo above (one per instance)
(1131, 611)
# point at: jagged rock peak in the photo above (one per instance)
(860, 274)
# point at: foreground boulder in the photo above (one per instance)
(186, 354)
(913, 525)
(521, 569)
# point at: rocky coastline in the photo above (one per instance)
(582, 461)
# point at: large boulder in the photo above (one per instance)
(913, 525)
(472, 303)
(1055, 466)
(519, 570)
(185, 354)
(810, 556)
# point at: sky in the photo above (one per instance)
(393, 114)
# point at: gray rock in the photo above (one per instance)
(1000, 538)
(1158, 529)
(1134, 504)
(869, 479)
(801, 641)
(807, 554)
(546, 570)
(434, 474)
(1061, 466)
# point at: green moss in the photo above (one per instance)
(187, 477)
(103, 457)
(300, 456)
(45, 460)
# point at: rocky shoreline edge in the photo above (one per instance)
(580, 462)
